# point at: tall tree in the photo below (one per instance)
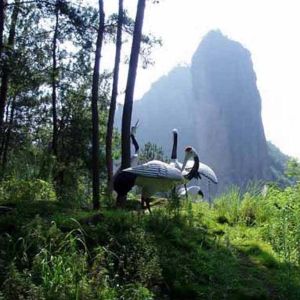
(68, 22)
(2, 15)
(6, 67)
(133, 64)
(54, 81)
(114, 94)
(6, 139)
(95, 113)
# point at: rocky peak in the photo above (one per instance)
(216, 107)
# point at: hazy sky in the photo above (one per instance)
(270, 29)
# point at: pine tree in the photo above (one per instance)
(133, 64)
(112, 108)
(95, 113)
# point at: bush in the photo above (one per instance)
(20, 190)
(282, 230)
(133, 258)
(20, 286)
(227, 206)
(135, 292)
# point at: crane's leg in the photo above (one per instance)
(143, 202)
(148, 204)
(121, 200)
(186, 192)
(147, 201)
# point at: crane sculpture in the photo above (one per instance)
(135, 157)
(203, 170)
(194, 191)
(155, 176)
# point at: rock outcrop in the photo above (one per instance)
(230, 132)
(216, 107)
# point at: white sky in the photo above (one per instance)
(270, 29)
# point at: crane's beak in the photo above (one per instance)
(136, 124)
(134, 128)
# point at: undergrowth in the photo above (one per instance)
(246, 246)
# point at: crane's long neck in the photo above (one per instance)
(135, 143)
(174, 150)
(194, 171)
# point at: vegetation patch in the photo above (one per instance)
(184, 253)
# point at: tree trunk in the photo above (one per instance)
(3, 136)
(2, 16)
(95, 114)
(6, 69)
(54, 83)
(7, 138)
(133, 64)
(112, 108)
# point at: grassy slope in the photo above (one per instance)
(195, 252)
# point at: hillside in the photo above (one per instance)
(240, 248)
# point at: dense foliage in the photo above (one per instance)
(246, 246)
(46, 75)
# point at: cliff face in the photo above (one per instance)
(216, 107)
(230, 132)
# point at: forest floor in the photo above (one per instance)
(191, 251)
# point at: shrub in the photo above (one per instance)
(227, 205)
(19, 190)
(134, 258)
(282, 230)
(135, 292)
(19, 285)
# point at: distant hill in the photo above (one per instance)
(216, 107)
(278, 165)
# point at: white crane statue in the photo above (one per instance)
(155, 176)
(193, 191)
(203, 170)
(134, 158)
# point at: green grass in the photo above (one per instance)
(244, 247)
